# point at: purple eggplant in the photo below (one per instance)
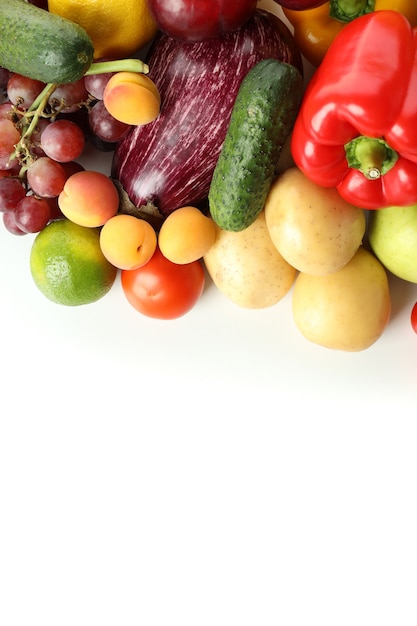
(169, 163)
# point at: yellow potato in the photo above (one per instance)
(313, 228)
(247, 268)
(346, 310)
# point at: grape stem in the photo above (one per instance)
(33, 113)
(36, 110)
(37, 107)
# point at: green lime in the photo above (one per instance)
(68, 266)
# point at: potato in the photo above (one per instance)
(313, 228)
(346, 310)
(247, 268)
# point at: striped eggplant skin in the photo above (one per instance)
(169, 163)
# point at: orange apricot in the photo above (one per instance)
(186, 235)
(89, 198)
(128, 242)
(132, 98)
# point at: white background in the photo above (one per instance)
(214, 470)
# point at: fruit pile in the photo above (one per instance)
(197, 187)
(43, 131)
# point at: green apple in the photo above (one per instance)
(392, 234)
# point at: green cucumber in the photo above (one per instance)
(42, 45)
(262, 118)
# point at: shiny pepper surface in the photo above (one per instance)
(357, 126)
(315, 29)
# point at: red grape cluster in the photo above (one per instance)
(43, 130)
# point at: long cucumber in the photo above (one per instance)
(42, 45)
(262, 118)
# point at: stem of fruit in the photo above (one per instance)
(37, 107)
(118, 65)
(347, 10)
(31, 117)
(370, 155)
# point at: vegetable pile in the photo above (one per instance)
(198, 125)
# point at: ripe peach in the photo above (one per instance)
(186, 235)
(89, 198)
(132, 98)
(128, 242)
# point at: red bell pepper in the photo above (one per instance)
(357, 125)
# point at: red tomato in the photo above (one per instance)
(163, 289)
(414, 317)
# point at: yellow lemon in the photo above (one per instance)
(68, 266)
(117, 29)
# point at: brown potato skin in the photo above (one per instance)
(247, 268)
(313, 228)
(347, 310)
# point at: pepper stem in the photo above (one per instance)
(370, 155)
(348, 10)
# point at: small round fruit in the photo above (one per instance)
(186, 235)
(89, 198)
(162, 289)
(46, 177)
(132, 98)
(68, 266)
(128, 242)
(63, 140)
(32, 214)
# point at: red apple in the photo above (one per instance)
(196, 20)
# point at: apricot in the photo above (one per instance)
(128, 242)
(186, 235)
(132, 98)
(89, 198)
